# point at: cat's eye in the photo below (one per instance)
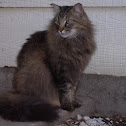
(69, 21)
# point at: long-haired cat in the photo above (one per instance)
(49, 66)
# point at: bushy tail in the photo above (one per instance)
(16, 107)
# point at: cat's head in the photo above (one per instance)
(69, 20)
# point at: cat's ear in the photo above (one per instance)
(78, 9)
(56, 7)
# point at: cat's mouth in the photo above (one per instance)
(66, 34)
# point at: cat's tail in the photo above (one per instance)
(16, 107)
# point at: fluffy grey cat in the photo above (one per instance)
(49, 66)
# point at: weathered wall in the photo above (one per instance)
(100, 94)
(20, 18)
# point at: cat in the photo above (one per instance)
(49, 66)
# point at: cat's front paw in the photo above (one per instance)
(77, 104)
(67, 106)
(70, 106)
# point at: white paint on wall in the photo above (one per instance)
(110, 57)
(16, 24)
(46, 3)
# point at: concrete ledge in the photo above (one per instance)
(101, 95)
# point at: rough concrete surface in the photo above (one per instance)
(101, 95)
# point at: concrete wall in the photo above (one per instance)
(20, 18)
(100, 95)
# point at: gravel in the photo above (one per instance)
(80, 120)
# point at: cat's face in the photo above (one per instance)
(68, 20)
(65, 26)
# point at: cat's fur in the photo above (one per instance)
(49, 66)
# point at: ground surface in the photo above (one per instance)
(101, 96)
(94, 121)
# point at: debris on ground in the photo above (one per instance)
(94, 121)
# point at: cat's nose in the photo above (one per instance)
(61, 32)
(61, 29)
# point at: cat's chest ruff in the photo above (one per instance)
(68, 55)
(66, 51)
